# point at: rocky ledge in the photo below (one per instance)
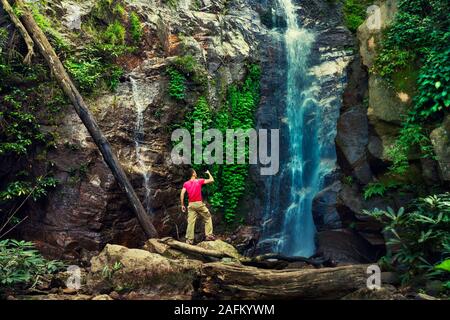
(168, 269)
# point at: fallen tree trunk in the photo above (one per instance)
(85, 115)
(268, 261)
(194, 250)
(235, 282)
(276, 260)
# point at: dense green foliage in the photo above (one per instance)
(236, 113)
(177, 83)
(379, 188)
(21, 264)
(136, 28)
(35, 190)
(115, 33)
(111, 33)
(25, 93)
(419, 37)
(412, 137)
(419, 238)
(354, 13)
(29, 96)
(189, 66)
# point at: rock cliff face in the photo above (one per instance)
(368, 124)
(370, 121)
(88, 210)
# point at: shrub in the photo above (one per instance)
(177, 84)
(21, 264)
(135, 27)
(418, 36)
(112, 75)
(189, 66)
(411, 135)
(86, 73)
(35, 190)
(238, 113)
(19, 129)
(379, 188)
(115, 33)
(420, 240)
(354, 13)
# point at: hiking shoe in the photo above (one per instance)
(191, 242)
(211, 238)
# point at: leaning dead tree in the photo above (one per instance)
(28, 27)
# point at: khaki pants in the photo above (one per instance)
(194, 210)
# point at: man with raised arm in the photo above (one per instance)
(196, 206)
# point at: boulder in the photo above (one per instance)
(384, 103)
(121, 269)
(352, 140)
(440, 139)
(74, 12)
(369, 33)
(245, 238)
(325, 214)
(344, 246)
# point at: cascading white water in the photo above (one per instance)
(139, 140)
(303, 121)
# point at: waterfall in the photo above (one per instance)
(303, 119)
(139, 140)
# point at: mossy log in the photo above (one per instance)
(84, 113)
(194, 250)
(235, 282)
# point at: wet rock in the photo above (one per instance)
(344, 246)
(430, 171)
(352, 140)
(435, 287)
(325, 214)
(88, 210)
(245, 239)
(74, 13)
(440, 138)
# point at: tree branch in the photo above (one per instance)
(26, 37)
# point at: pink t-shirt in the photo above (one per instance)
(194, 189)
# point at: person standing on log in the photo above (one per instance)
(196, 207)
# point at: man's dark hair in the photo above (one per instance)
(191, 172)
